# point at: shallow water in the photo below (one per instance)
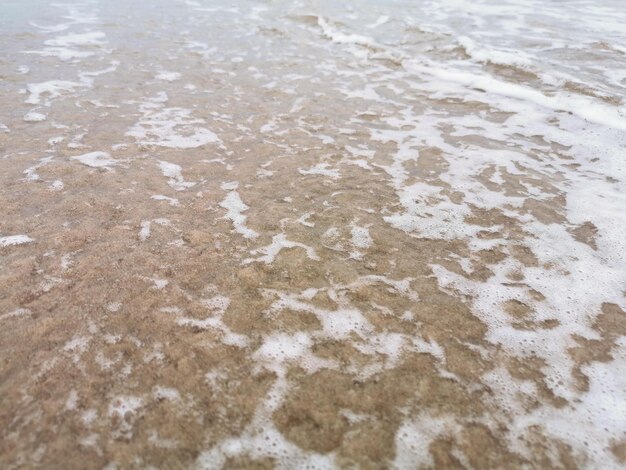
(313, 234)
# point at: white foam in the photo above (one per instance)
(30, 173)
(56, 185)
(165, 393)
(229, 185)
(72, 400)
(62, 53)
(168, 76)
(281, 347)
(170, 127)
(304, 220)
(114, 307)
(124, 404)
(413, 438)
(172, 201)
(144, 233)
(160, 284)
(34, 117)
(52, 89)
(581, 106)
(94, 38)
(217, 306)
(279, 242)
(18, 312)
(13, 240)
(484, 54)
(380, 21)
(175, 175)
(361, 237)
(62, 46)
(322, 169)
(97, 160)
(78, 344)
(235, 208)
(336, 324)
(339, 37)
(360, 152)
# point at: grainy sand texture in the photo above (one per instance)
(312, 234)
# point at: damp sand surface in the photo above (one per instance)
(300, 234)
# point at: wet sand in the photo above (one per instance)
(299, 235)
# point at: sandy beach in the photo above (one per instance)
(312, 234)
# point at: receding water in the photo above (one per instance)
(313, 234)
